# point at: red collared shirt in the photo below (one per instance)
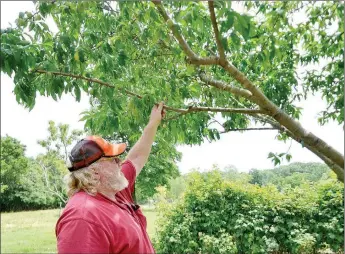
(96, 224)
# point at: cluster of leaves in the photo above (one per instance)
(324, 33)
(252, 219)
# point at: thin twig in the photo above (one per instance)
(249, 129)
(140, 58)
(209, 109)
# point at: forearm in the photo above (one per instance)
(140, 152)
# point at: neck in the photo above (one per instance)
(108, 193)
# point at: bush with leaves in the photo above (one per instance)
(22, 183)
(251, 219)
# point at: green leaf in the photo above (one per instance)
(225, 44)
(235, 39)
(77, 93)
(288, 157)
(242, 25)
(122, 58)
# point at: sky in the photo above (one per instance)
(245, 150)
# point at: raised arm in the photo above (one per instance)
(140, 152)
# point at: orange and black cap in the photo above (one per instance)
(91, 149)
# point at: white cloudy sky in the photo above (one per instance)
(243, 150)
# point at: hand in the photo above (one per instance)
(157, 113)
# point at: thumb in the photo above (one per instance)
(160, 106)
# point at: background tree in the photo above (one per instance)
(13, 165)
(54, 161)
(13, 162)
(59, 140)
(231, 173)
(292, 175)
(23, 181)
(129, 55)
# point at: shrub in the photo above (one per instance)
(216, 216)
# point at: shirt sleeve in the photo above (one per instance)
(128, 170)
(80, 236)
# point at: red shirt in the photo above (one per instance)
(96, 224)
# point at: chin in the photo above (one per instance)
(123, 185)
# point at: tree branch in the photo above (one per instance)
(335, 167)
(230, 110)
(209, 109)
(147, 57)
(100, 82)
(216, 31)
(284, 119)
(215, 121)
(45, 174)
(193, 58)
(248, 129)
(223, 86)
(183, 111)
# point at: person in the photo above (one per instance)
(100, 215)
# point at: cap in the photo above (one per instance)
(92, 148)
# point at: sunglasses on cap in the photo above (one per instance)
(117, 160)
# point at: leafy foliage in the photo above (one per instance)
(244, 218)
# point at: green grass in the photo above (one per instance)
(34, 231)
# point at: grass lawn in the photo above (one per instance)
(34, 231)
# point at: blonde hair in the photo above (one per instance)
(81, 179)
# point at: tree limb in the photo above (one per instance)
(336, 168)
(100, 82)
(209, 109)
(45, 174)
(183, 111)
(193, 58)
(230, 110)
(147, 57)
(223, 86)
(216, 31)
(248, 129)
(215, 121)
